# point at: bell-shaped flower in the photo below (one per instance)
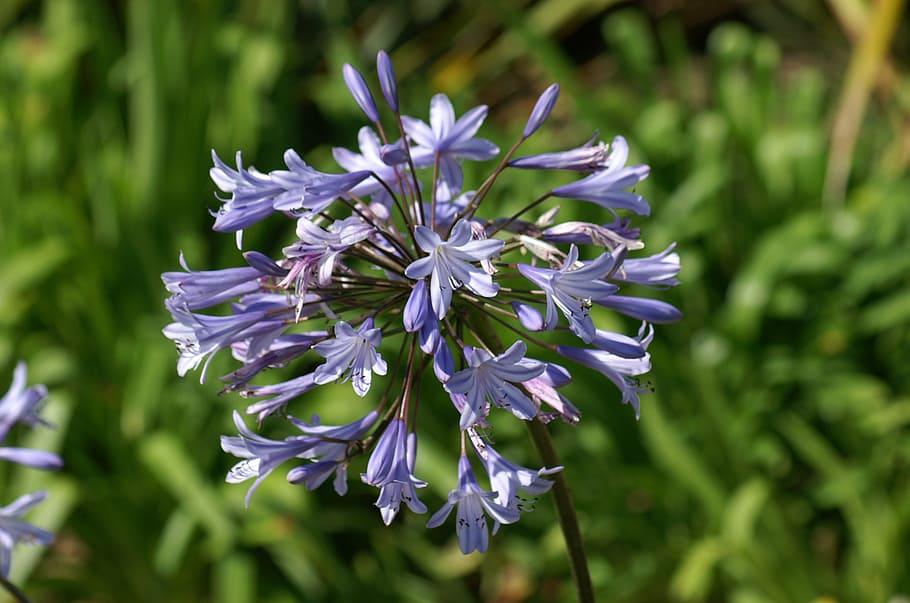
(623, 372)
(391, 467)
(202, 289)
(309, 189)
(488, 379)
(605, 186)
(474, 504)
(260, 455)
(658, 270)
(199, 336)
(508, 478)
(331, 452)
(572, 290)
(252, 194)
(447, 264)
(351, 355)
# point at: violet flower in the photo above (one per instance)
(404, 279)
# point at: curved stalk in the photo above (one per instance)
(565, 511)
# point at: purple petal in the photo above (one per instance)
(651, 310)
(466, 126)
(442, 116)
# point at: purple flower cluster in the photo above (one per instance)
(399, 265)
(20, 405)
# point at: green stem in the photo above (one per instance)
(13, 590)
(565, 511)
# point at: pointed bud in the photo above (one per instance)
(387, 79)
(541, 110)
(360, 92)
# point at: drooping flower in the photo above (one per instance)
(391, 469)
(473, 505)
(199, 336)
(508, 478)
(623, 372)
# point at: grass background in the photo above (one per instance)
(771, 465)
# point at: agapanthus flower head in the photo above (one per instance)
(405, 280)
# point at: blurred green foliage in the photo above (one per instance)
(771, 465)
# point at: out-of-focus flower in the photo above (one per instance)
(20, 404)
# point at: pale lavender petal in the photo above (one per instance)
(442, 116)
